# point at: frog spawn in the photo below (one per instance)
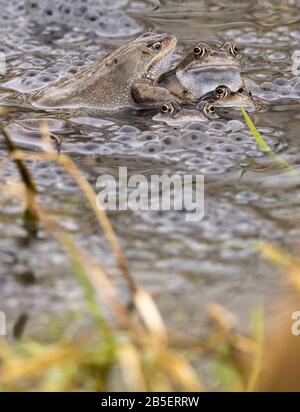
(105, 18)
(47, 25)
(160, 146)
(49, 12)
(278, 50)
(278, 90)
(208, 148)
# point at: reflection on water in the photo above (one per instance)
(186, 265)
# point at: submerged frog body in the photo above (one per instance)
(203, 70)
(209, 106)
(223, 96)
(174, 115)
(117, 81)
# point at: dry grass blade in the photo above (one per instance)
(89, 193)
(179, 371)
(107, 228)
(131, 367)
(175, 367)
(95, 273)
(17, 368)
(223, 319)
(142, 339)
(23, 170)
(289, 263)
(102, 217)
(30, 215)
(150, 314)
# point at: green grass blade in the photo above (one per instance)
(264, 146)
(259, 139)
(258, 335)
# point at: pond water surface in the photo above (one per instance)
(186, 265)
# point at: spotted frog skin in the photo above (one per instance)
(203, 70)
(120, 80)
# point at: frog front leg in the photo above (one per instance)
(145, 92)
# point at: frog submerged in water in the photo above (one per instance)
(223, 96)
(174, 115)
(210, 106)
(203, 70)
(123, 78)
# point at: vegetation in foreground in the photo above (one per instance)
(133, 350)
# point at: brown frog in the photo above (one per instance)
(210, 106)
(223, 96)
(174, 115)
(203, 70)
(123, 78)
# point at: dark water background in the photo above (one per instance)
(185, 265)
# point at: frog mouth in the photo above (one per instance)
(158, 67)
(154, 67)
(216, 65)
(237, 102)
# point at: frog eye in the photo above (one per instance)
(156, 46)
(210, 109)
(199, 51)
(234, 50)
(165, 108)
(221, 92)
